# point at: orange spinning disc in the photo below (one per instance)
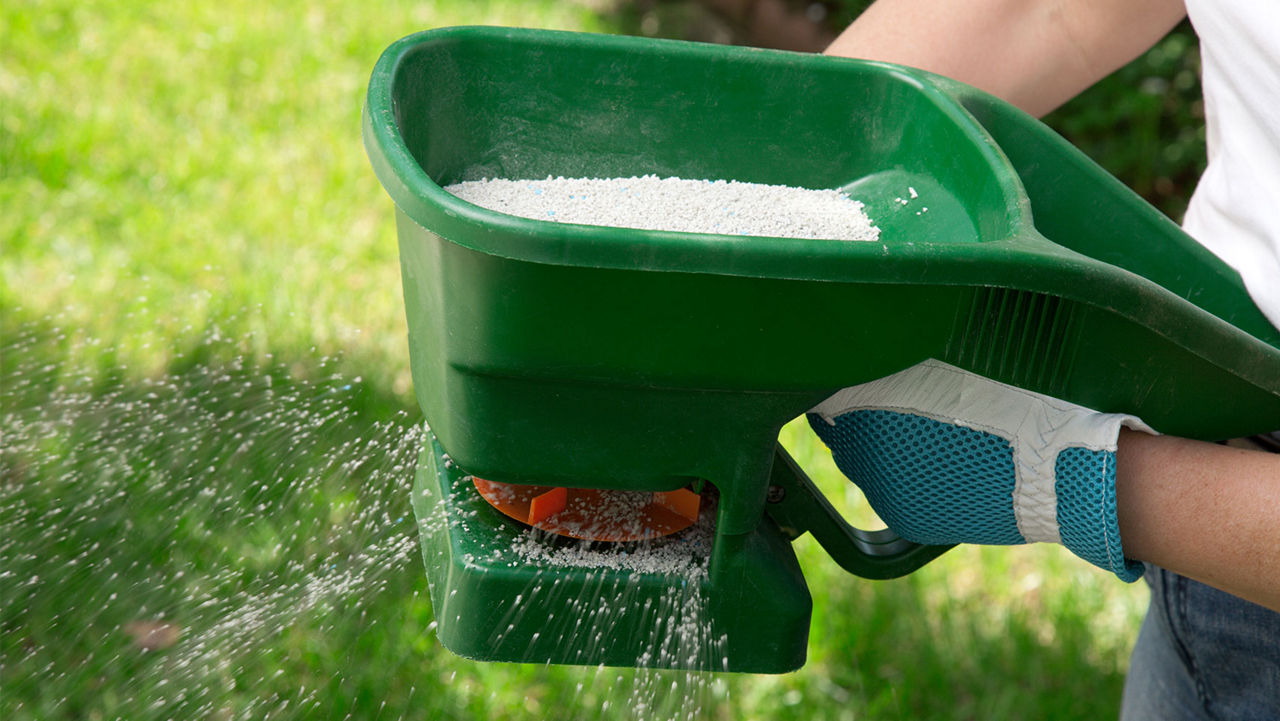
(593, 514)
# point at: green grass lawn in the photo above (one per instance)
(208, 428)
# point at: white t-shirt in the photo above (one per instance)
(1235, 211)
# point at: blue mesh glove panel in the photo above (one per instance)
(931, 482)
(1087, 510)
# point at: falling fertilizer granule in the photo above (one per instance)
(692, 206)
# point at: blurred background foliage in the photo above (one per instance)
(1144, 123)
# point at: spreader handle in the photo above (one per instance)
(797, 506)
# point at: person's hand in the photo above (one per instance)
(945, 456)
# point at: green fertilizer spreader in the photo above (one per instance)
(590, 357)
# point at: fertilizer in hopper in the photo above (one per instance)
(723, 207)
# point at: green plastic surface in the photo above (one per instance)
(619, 358)
(492, 604)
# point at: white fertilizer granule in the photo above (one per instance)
(686, 554)
(691, 206)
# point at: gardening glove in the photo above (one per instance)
(945, 456)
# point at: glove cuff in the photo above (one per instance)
(1086, 510)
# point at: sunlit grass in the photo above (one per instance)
(168, 167)
(186, 198)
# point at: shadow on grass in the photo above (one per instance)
(214, 542)
(913, 649)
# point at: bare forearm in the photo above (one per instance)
(1036, 54)
(1203, 510)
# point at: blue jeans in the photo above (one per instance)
(1202, 654)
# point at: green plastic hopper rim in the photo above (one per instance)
(471, 226)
